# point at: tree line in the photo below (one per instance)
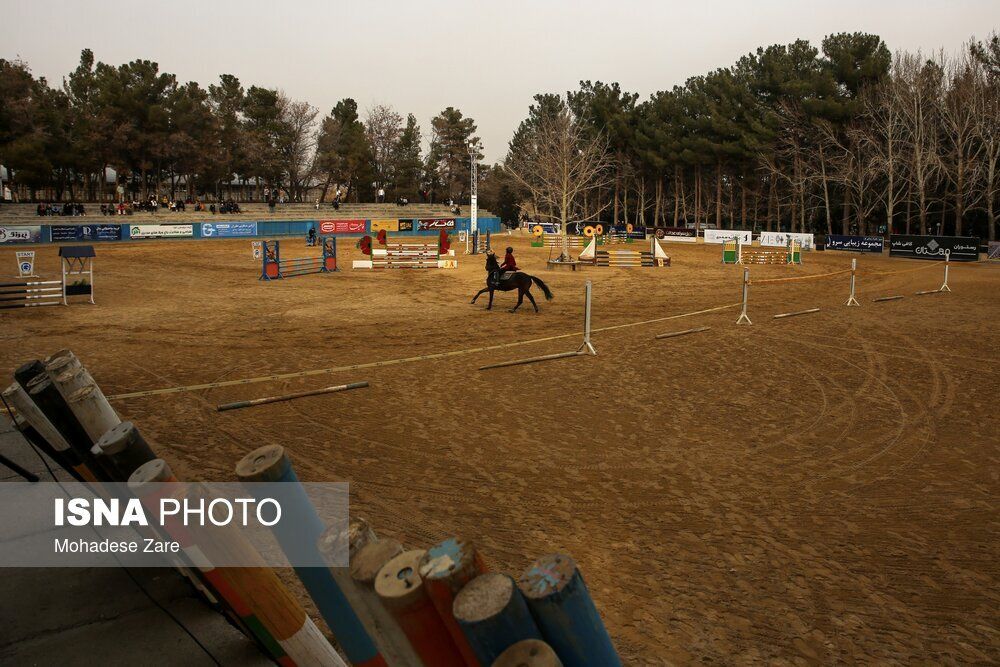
(162, 136)
(845, 138)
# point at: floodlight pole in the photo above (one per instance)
(474, 191)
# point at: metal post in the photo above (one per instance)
(474, 192)
(944, 285)
(586, 346)
(851, 301)
(746, 289)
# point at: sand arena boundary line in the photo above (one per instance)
(396, 362)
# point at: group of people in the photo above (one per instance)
(71, 208)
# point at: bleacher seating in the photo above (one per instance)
(25, 214)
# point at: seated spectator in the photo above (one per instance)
(40, 209)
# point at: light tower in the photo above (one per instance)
(474, 147)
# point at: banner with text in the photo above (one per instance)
(341, 226)
(228, 229)
(387, 225)
(161, 231)
(744, 236)
(781, 239)
(855, 243)
(32, 234)
(676, 234)
(426, 224)
(962, 248)
(86, 233)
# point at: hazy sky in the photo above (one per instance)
(487, 59)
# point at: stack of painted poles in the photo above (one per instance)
(432, 607)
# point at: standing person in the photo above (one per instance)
(381, 195)
(312, 237)
(272, 201)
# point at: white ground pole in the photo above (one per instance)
(851, 300)
(586, 346)
(944, 285)
(746, 288)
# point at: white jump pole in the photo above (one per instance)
(851, 300)
(586, 345)
(746, 289)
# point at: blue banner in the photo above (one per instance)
(228, 229)
(855, 243)
(86, 233)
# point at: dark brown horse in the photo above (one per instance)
(517, 281)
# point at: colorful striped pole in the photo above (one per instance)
(561, 604)
(446, 569)
(528, 653)
(494, 616)
(367, 555)
(402, 591)
(254, 593)
(270, 464)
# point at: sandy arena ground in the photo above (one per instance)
(820, 488)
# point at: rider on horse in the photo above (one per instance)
(509, 263)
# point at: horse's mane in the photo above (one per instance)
(491, 263)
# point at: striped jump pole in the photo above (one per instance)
(528, 653)
(402, 591)
(446, 569)
(746, 291)
(39, 431)
(265, 608)
(566, 615)
(270, 464)
(31, 294)
(494, 616)
(366, 563)
(289, 397)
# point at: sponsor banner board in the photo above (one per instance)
(25, 263)
(228, 229)
(744, 236)
(429, 224)
(387, 225)
(676, 234)
(342, 226)
(21, 234)
(855, 243)
(961, 248)
(406, 225)
(86, 233)
(161, 231)
(781, 239)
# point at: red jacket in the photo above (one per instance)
(509, 263)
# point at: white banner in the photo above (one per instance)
(257, 248)
(26, 264)
(745, 237)
(160, 231)
(781, 239)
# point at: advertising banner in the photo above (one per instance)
(406, 225)
(855, 243)
(161, 231)
(32, 234)
(341, 226)
(387, 225)
(676, 234)
(86, 233)
(781, 239)
(257, 248)
(744, 236)
(426, 224)
(228, 229)
(962, 248)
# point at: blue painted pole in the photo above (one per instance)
(560, 602)
(298, 535)
(493, 615)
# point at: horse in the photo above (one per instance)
(518, 280)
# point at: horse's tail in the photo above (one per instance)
(545, 288)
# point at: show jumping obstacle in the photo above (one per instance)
(77, 280)
(734, 252)
(655, 257)
(944, 285)
(275, 267)
(559, 240)
(586, 348)
(407, 254)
